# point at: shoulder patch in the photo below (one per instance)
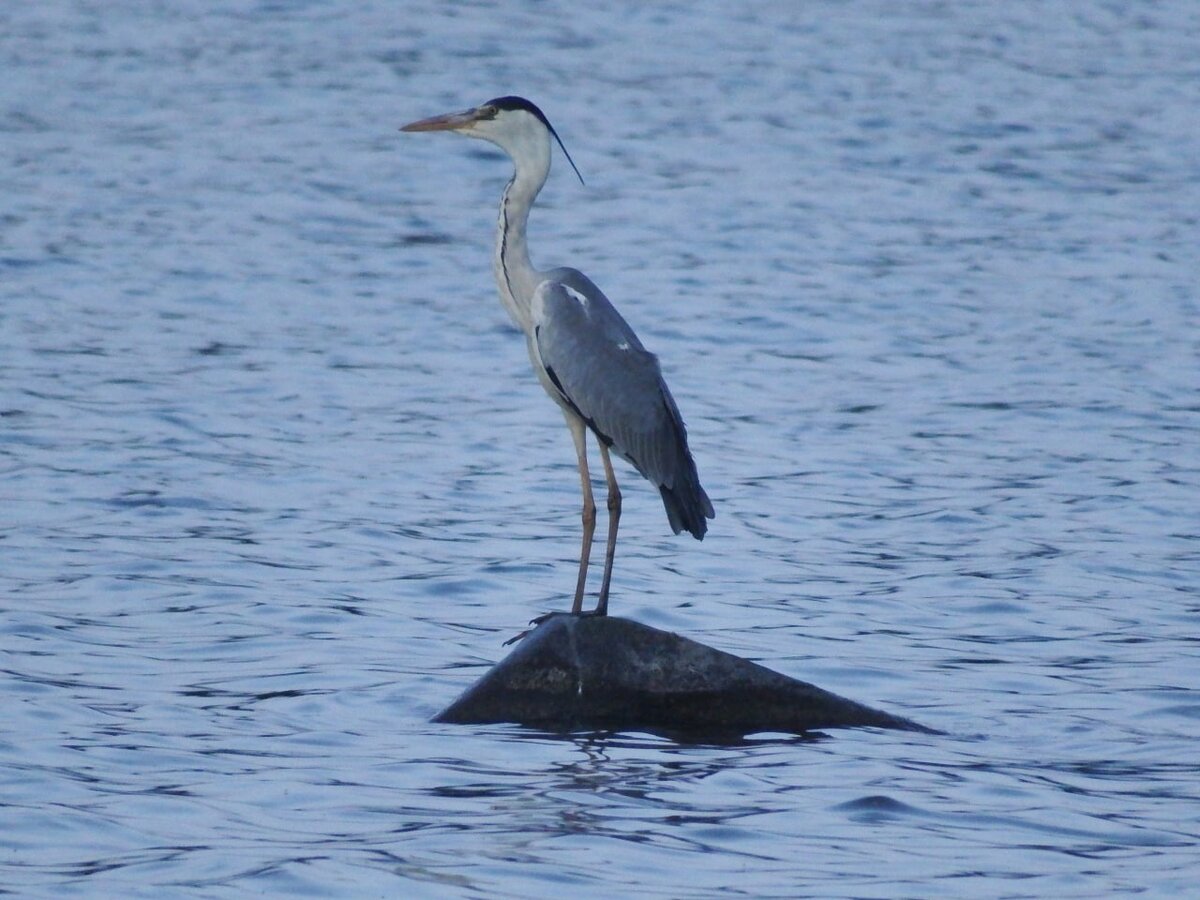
(575, 295)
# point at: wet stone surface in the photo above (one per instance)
(591, 672)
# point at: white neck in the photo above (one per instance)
(515, 275)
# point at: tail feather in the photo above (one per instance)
(688, 507)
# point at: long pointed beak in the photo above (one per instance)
(447, 122)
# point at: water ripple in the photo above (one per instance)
(276, 484)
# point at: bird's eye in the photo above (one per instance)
(487, 112)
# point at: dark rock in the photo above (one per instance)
(604, 672)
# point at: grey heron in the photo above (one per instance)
(584, 353)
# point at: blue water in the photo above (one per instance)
(276, 482)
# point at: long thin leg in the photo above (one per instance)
(614, 518)
(579, 433)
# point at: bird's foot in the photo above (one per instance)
(516, 637)
(535, 622)
(545, 617)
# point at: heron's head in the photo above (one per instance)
(512, 123)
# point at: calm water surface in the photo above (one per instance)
(276, 483)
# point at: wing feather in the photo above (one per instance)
(595, 365)
(602, 371)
